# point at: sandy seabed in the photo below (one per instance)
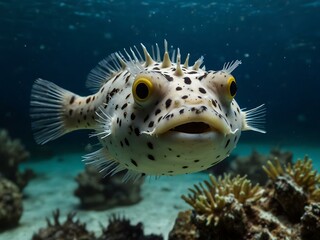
(157, 211)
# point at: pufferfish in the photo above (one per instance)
(151, 116)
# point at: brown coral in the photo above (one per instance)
(10, 204)
(12, 153)
(96, 192)
(69, 230)
(120, 228)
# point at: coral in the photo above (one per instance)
(117, 229)
(69, 230)
(96, 192)
(310, 221)
(251, 165)
(294, 185)
(10, 204)
(183, 228)
(220, 205)
(232, 208)
(12, 153)
(121, 229)
(301, 173)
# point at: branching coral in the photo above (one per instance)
(219, 205)
(232, 208)
(216, 195)
(301, 172)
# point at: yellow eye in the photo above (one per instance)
(232, 86)
(142, 89)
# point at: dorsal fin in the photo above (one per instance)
(166, 59)
(178, 71)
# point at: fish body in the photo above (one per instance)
(151, 117)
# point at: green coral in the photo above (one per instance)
(301, 173)
(209, 200)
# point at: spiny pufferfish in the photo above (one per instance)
(151, 116)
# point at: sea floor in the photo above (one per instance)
(157, 211)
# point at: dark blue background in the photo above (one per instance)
(277, 41)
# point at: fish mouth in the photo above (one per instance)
(192, 128)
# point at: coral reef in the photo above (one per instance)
(98, 193)
(12, 153)
(10, 204)
(121, 229)
(251, 165)
(117, 229)
(232, 208)
(294, 186)
(69, 230)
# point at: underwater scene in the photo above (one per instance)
(178, 120)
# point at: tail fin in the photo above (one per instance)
(47, 109)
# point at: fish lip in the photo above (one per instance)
(215, 123)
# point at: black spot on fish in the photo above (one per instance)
(125, 114)
(202, 90)
(151, 157)
(227, 143)
(197, 160)
(150, 145)
(134, 162)
(146, 118)
(126, 141)
(187, 80)
(168, 103)
(137, 131)
(181, 111)
(102, 89)
(72, 99)
(128, 96)
(184, 97)
(70, 112)
(88, 100)
(121, 143)
(217, 156)
(151, 124)
(192, 72)
(124, 106)
(116, 77)
(169, 78)
(185, 167)
(127, 79)
(133, 116)
(178, 88)
(157, 112)
(203, 76)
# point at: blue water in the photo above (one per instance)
(277, 41)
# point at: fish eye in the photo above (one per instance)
(232, 86)
(142, 89)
